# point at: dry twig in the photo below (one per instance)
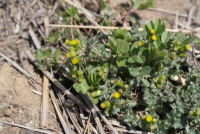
(64, 124)
(29, 128)
(34, 38)
(112, 28)
(45, 102)
(96, 118)
(73, 120)
(133, 131)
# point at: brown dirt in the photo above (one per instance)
(22, 106)
(170, 5)
(18, 104)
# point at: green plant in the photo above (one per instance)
(70, 13)
(45, 59)
(138, 71)
(141, 4)
(143, 61)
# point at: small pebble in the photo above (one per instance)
(8, 112)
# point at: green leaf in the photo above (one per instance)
(145, 83)
(40, 52)
(180, 37)
(71, 11)
(141, 59)
(38, 57)
(81, 87)
(145, 70)
(150, 25)
(134, 71)
(101, 51)
(161, 27)
(161, 54)
(165, 37)
(127, 120)
(120, 62)
(157, 24)
(153, 52)
(133, 50)
(119, 33)
(52, 38)
(132, 59)
(57, 55)
(146, 4)
(137, 3)
(122, 47)
(92, 78)
(112, 44)
(143, 51)
(94, 100)
(189, 39)
(156, 44)
(47, 53)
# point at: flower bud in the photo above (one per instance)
(152, 31)
(149, 118)
(116, 95)
(154, 37)
(66, 42)
(75, 60)
(96, 93)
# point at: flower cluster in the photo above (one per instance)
(74, 45)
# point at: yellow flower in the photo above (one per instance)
(105, 112)
(68, 55)
(66, 42)
(93, 94)
(103, 105)
(154, 37)
(149, 118)
(152, 31)
(116, 95)
(187, 47)
(139, 43)
(73, 76)
(74, 60)
(74, 42)
(80, 80)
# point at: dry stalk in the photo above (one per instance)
(96, 118)
(29, 128)
(45, 102)
(64, 124)
(112, 28)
